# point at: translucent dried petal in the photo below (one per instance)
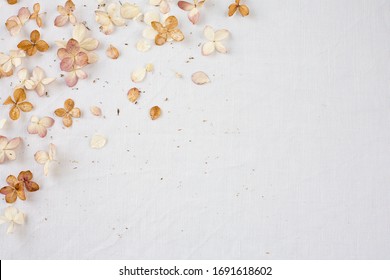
(98, 141)
(129, 11)
(143, 45)
(133, 94)
(200, 78)
(138, 75)
(96, 111)
(112, 52)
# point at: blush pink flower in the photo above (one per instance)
(193, 9)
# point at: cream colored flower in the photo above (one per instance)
(109, 18)
(130, 11)
(40, 126)
(215, 39)
(38, 81)
(46, 158)
(11, 217)
(7, 148)
(14, 59)
(162, 4)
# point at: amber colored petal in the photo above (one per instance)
(6, 190)
(11, 180)
(14, 113)
(158, 26)
(8, 101)
(19, 187)
(11, 197)
(244, 10)
(67, 120)
(60, 112)
(25, 45)
(35, 36)
(70, 6)
(171, 22)
(31, 186)
(75, 112)
(42, 46)
(25, 106)
(68, 105)
(25, 176)
(176, 35)
(31, 51)
(19, 95)
(232, 9)
(160, 39)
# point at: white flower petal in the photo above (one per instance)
(220, 47)
(138, 75)
(2, 123)
(98, 141)
(209, 33)
(221, 35)
(143, 45)
(41, 157)
(208, 48)
(200, 78)
(149, 33)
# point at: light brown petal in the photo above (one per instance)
(232, 9)
(42, 46)
(25, 45)
(25, 176)
(25, 106)
(67, 120)
(60, 112)
(14, 113)
(31, 186)
(75, 112)
(171, 22)
(31, 51)
(133, 94)
(158, 26)
(155, 112)
(160, 39)
(19, 95)
(11, 197)
(68, 105)
(35, 36)
(11, 180)
(244, 10)
(8, 101)
(176, 35)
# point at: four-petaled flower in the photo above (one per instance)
(162, 4)
(7, 148)
(25, 177)
(66, 14)
(14, 190)
(243, 9)
(40, 126)
(15, 23)
(38, 81)
(215, 38)
(46, 158)
(193, 9)
(35, 44)
(68, 112)
(18, 104)
(167, 31)
(36, 15)
(12, 216)
(14, 59)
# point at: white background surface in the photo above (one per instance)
(285, 155)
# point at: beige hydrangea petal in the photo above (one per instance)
(112, 52)
(143, 45)
(200, 78)
(98, 141)
(129, 11)
(96, 111)
(138, 75)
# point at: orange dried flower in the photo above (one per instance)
(155, 112)
(31, 47)
(243, 9)
(18, 104)
(25, 178)
(68, 112)
(35, 15)
(167, 31)
(14, 190)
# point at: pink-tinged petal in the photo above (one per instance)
(46, 122)
(220, 47)
(38, 73)
(73, 47)
(3, 142)
(185, 6)
(92, 57)
(194, 15)
(107, 29)
(42, 131)
(40, 89)
(13, 143)
(63, 53)
(2, 156)
(209, 33)
(81, 74)
(208, 48)
(61, 10)
(164, 7)
(61, 20)
(221, 35)
(67, 64)
(71, 79)
(52, 151)
(81, 59)
(72, 19)
(33, 128)
(47, 81)
(24, 15)
(41, 157)
(89, 44)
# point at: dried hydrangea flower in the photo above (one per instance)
(72, 60)
(98, 141)
(149, 33)
(46, 158)
(215, 39)
(14, 190)
(243, 9)
(109, 18)
(162, 4)
(40, 126)
(11, 217)
(18, 104)
(35, 44)
(139, 75)
(200, 78)
(193, 9)
(38, 81)
(133, 94)
(7, 148)
(66, 14)
(36, 15)
(96, 111)
(14, 59)
(26, 178)
(23, 76)
(155, 113)
(166, 31)
(68, 112)
(130, 11)
(15, 23)
(4, 74)
(12, 2)
(112, 52)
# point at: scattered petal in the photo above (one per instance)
(133, 94)
(98, 141)
(200, 78)
(96, 111)
(112, 52)
(155, 113)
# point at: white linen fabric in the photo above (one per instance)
(284, 155)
